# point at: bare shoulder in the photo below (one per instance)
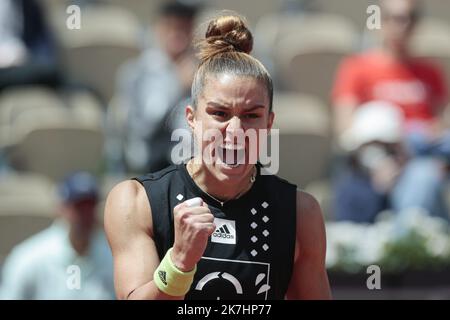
(310, 225)
(307, 204)
(128, 226)
(309, 279)
(127, 204)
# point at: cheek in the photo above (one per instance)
(261, 136)
(205, 127)
(258, 124)
(202, 127)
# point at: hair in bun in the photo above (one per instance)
(226, 49)
(225, 34)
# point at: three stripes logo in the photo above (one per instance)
(225, 231)
(162, 276)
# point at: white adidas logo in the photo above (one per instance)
(225, 231)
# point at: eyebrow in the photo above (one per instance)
(222, 106)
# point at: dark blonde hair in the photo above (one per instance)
(226, 50)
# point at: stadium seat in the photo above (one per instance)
(16, 102)
(55, 150)
(304, 132)
(308, 58)
(352, 10)
(247, 8)
(108, 37)
(144, 10)
(432, 40)
(27, 205)
(439, 9)
(86, 109)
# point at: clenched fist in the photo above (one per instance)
(194, 223)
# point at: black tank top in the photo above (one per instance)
(251, 253)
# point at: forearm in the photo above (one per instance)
(150, 291)
(318, 288)
(310, 288)
(172, 283)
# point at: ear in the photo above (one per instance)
(190, 116)
(270, 121)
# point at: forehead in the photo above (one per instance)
(173, 21)
(233, 90)
(398, 6)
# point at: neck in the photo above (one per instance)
(399, 54)
(80, 240)
(220, 190)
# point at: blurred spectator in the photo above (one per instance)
(46, 265)
(391, 74)
(154, 84)
(381, 175)
(417, 88)
(28, 52)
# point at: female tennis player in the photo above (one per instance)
(214, 227)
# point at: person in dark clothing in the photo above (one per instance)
(28, 50)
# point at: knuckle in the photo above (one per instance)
(199, 228)
(182, 215)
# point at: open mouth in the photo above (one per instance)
(232, 156)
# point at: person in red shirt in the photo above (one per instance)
(391, 73)
(417, 86)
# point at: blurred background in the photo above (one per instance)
(361, 101)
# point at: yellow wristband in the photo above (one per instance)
(170, 280)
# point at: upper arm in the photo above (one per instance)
(128, 226)
(309, 277)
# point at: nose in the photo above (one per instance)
(234, 124)
(234, 130)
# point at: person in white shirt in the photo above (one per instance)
(70, 260)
